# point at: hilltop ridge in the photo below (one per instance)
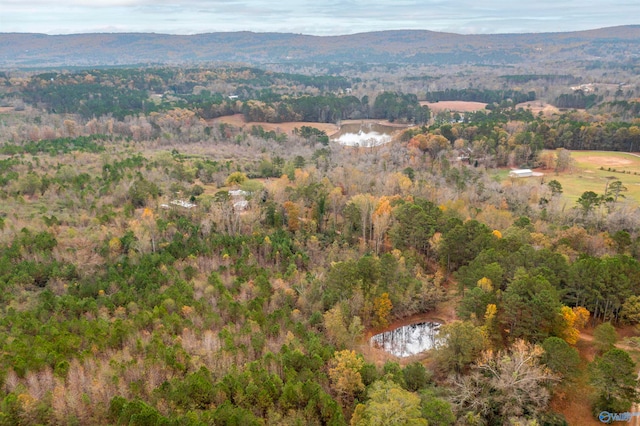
(20, 50)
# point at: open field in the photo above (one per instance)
(593, 169)
(237, 120)
(538, 106)
(455, 106)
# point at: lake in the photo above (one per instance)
(364, 134)
(408, 340)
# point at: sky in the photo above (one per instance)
(314, 17)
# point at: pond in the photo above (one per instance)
(364, 134)
(408, 340)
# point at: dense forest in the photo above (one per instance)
(161, 266)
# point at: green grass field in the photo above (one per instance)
(593, 169)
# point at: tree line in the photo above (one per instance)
(480, 95)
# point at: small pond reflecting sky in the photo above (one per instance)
(365, 134)
(408, 340)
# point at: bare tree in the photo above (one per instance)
(506, 384)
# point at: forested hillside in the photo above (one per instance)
(159, 265)
(613, 44)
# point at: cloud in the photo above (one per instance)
(313, 17)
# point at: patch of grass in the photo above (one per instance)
(501, 175)
(592, 171)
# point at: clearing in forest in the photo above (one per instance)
(455, 106)
(537, 107)
(593, 170)
(237, 120)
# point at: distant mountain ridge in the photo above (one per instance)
(19, 50)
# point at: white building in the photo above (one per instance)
(520, 173)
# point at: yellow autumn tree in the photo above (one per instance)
(491, 311)
(235, 178)
(148, 223)
(582, 316)
(381, 218)
(485, 284)
(437, 144)
(293, 215)
(389, 404)
(335, 328)
(382, 307)
(490, 329)
(398, 183)
(344, 373)
(568, 330)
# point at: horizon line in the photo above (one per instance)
(311, 35)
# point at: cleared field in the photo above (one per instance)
(593, 169)
(331, 129)
(455, 106)
(537, 107)
(237, 120)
